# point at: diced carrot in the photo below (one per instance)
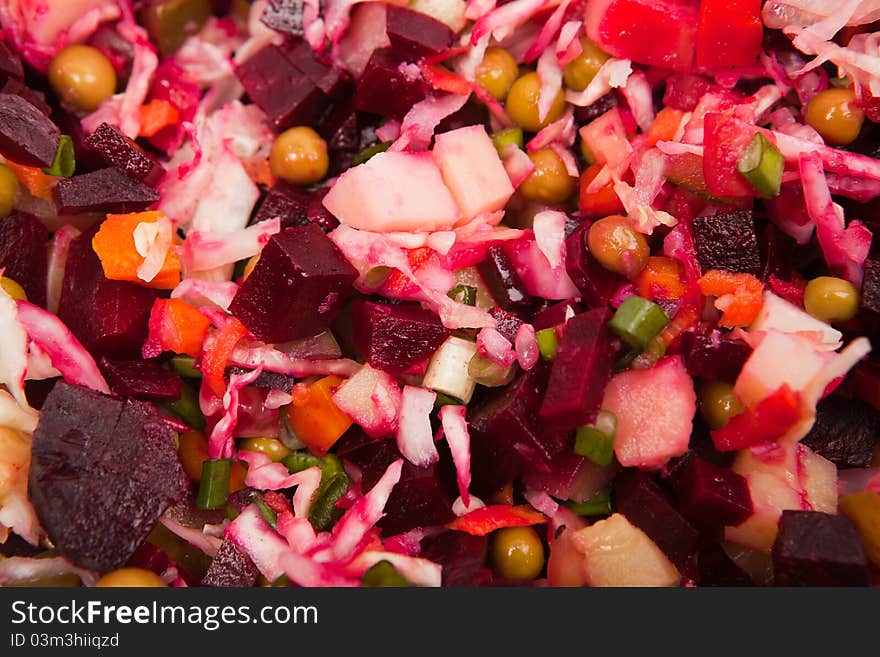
(114, 245)
(175, 326)
(315, 418)
(236, 476)
(216, 351)
(665, 125)
(39, 184)
(157, 114)
(661, 279)
(738, 296)
(260, 171)
(487, 519)
(600, 203)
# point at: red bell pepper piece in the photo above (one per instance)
(489, 518)
(175, 326)
(769, 419)
(600, 203)
(216, 351)
(729, 33)
(442, 79)
(725, 140)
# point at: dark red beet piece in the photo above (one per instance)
(109, 317)
(267, 71)
(34, 97)
(644, 503)
(141, 379)
(298, 286)
(331, 80)
(818, 549)
(586, 114)
(102, 472)
(845, 432)
(870, 297)
(507, 324)
(713, 355)
(119, 151)
(156, 560)
(284, 16)
(387, 89)
(27, 136)
(284, 201)
(462, 556)
(396, 337)
(716, 568)
(711, 496)
(24, 255)
(581, 370)
(267, 380)
(503, 282)
(554, 315)
(727, 241)
(104, 190)
(10, 64)
(230, 567)
(414, 35)
(597, 285)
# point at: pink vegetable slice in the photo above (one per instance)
(455, 429)
(415, 439)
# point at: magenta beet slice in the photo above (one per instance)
(36, 98)
(27, 136)
(713, 355)
(24, 254)
(845, 432)
(119, 151)
(386, 87)
(104, 190)
(102, 472)
(141, 379)
(727, 241)
(503, 282)
(712, 496)
(284, 16)
(331, 80)
(10, 64)
(230, 567)
(295, 206)
(415, 35)
(596, 284)
(870, 297)
(462, 556)
(580, 372)
(396, 337)
(507, 324)
(818, 549)
(109, 317)
(298, 286)
(644, 503)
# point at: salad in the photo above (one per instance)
(439, 293)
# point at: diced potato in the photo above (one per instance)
(448, 369)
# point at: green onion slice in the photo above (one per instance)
(64, 163)
(466, 294)
(214, 486)
(598, 505)
(596, 441)
(548, 342)
(638, 320)
(762, 164)
(369, 152)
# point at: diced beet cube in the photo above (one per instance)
(595, 283)
(102, 472)
(818, 549)
(396, 337)
(267, 380)
(870, 297)
(462, 556)
(713, 355)
(643, 502)
(24, 254)
(230, 567)
(298, 286)
(108, 317)
(503, 282)
(331, 80)
(716, 568)
(10, 64)
(712, 496)
(581, 370)
(389, 87)
(554, 315)
(415, 35)
(141, 379)
(284, 201)
(27, 136)
(105, 190)
(507, 324)
(727, 241)
(34, 97)
(284, 16)
(341, 129)
(845, 432)
(119, 151)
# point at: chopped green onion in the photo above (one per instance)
(638, 320)
(596, 441)
(376, 276)
(214, 486)
(184, 366)
(598, 505)
(268, 512)
(187, 407)
(445, 400)
(466, 294)
(64, 163)
(548, 341)
(507, 136)
(369, 152)
(324, 512)
(762, 164)
(487, 372)
(299, 461)
(385, 574)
